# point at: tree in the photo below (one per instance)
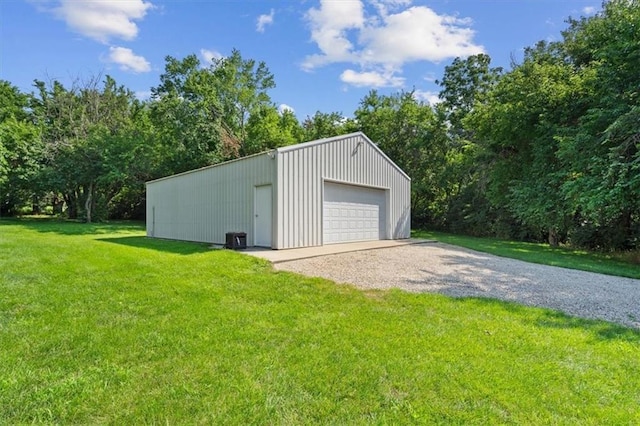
(603, 153)
(561, 133)
(409, 132)
(20, 153)
(82, 128)
(519, 126)
(325, 125)
(204, 113)
(267, 128)
(241, 86)
(188, 117)
(4, 163)
(465, 84)
(20, 150)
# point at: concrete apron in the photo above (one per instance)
(287, 255)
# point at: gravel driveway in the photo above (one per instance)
(454, 271)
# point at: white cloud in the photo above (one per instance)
(329, 26)
(103, 20)
(589, 10)
(264, 20)
(208, 56)
(371, 79)
(128, 60)
(431, 98)
(381, 40)
(418, 34)
(284, 107)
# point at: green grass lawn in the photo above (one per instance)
(99, 324)
(604, 263)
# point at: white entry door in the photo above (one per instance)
(353, 213)
(263, 215)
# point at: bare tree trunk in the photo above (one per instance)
(553, 237)
(72, 207)
(57, 204)
(88, 204)
(35, 205)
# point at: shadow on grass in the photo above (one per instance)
(552, 319)
(169, 246)
(604, 330)
(74, 227)
(54, 225)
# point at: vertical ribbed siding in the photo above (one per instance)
(205, 204)
(301, 175)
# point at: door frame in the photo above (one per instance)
(255, 215)
(386, 224)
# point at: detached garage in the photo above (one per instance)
(335, 190)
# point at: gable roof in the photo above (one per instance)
(294, 148)
(340, 137)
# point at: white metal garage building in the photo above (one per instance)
(333, 190)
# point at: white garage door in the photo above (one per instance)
(352, 213)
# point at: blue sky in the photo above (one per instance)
(325, 54)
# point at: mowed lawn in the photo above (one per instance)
(99, 324)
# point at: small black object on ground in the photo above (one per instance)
(236, 240)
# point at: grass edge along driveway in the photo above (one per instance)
(99, 324)
(618, 264)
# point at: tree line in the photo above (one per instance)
(547, 150)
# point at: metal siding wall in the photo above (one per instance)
(205, 204)
(300, 192)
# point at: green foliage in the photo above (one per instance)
(603, 152)
(325, 125)
(20, 156)
(409, 132)
(187, 117)
(99, 324)
(3, 162)
(548, 150)
(92, 146)
(20, 150)
(558, 136)
(241, 86)
(465, 83)
(90, 141)
(12, 102)
(465, 208)
(205, 114)
(267, 128)
(517, 124)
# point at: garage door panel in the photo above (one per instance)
(353, 213)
